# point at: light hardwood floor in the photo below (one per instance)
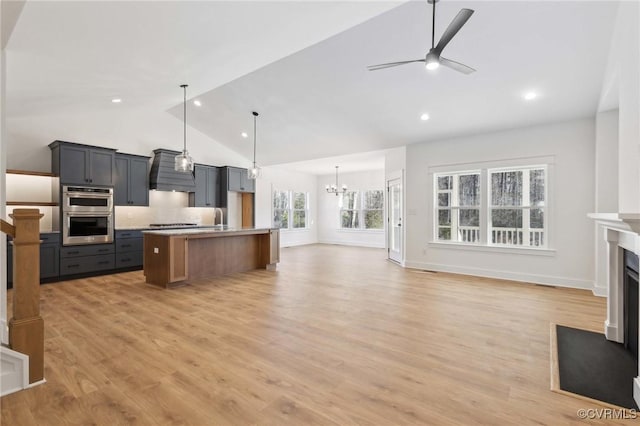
(337, 335)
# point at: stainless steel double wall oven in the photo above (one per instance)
(87, 215)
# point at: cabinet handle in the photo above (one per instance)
(103, 250)
(125, 245)
(124, 235)
(73, 252)
(125, 260)
(104, 262)
(73, 266)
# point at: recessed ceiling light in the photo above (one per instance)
(116, 100)
(529, 96)
(424, 117)
(244, 135)
(197, 103)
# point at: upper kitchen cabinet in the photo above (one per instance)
(207, 193)
(78, 164)
(131, 180)
(236, 179)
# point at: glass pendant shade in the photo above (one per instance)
(254, 172)
(184, 162)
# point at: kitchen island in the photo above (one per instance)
(177, 255)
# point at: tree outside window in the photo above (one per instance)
(290, 209)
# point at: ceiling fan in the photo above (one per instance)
(433, 59)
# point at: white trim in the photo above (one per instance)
(636, 390)
(17, 378)
(353, 243)
(494, 164)
(504, 275)
(612, 332)
(532, 251)
(360, 231)
(599, 291)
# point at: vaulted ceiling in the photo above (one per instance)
(302, 66)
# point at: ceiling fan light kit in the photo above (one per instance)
(433, 59)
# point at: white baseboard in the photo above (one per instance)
(504, 275)
(599, 291)
(14, 371)
(612, 332)
(352, 243)
(296, 244)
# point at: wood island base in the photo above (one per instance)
(172, 257)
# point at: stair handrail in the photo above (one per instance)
(7, 228)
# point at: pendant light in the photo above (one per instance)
(183, 161)
(333, 188)
(254, 172)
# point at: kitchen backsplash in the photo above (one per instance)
(164, 207)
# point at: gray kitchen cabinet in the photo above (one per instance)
(49, 258)
(86, 259)
(238, 181)
(131, 185)
(129, 245)
(78, 164)
(207, 192)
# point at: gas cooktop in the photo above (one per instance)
(173, 225)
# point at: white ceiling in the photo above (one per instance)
(318, 101)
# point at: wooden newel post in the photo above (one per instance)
(26, 327)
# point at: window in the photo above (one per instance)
(290, 209)
(458, 201)
(517, 207)
(362, 210)
(509, 213)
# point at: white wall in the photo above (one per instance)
(329, 231)
(130, 130)
(606, 184)
(571, 189)
(274, 178)
(621, 90)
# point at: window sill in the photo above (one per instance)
(495, 249)
(360, 231)
(294, 229)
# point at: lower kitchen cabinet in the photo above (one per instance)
(128, 249)
(86, 259)
(49, 258)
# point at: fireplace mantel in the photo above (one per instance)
(621, 232)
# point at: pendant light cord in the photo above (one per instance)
(255, 116)
(184, 86)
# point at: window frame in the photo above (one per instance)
(546, 163)
(360, 211)
(290, 210)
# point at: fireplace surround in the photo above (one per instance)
(622, 236)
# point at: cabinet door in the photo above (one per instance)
(247, 185)
(234, 179)
(200, 196)
(101, 167)
(49, 260)
(213, 187)
(73, 165)
(121, 184)
(139, 181)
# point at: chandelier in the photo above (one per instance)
(333, 188)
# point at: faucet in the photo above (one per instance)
(215, 213)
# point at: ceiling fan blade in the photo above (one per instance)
(391, 64)
(456, 65)
(461, 18)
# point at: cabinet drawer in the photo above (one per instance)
(84, 264)
(129, 244)
(50, 237)
(126, 260)
(136, 233)
(89, 250)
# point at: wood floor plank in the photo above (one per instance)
(337, 335)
